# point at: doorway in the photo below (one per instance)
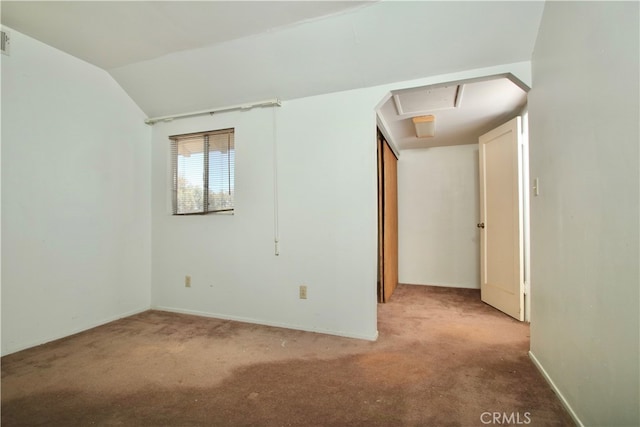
(448, 250)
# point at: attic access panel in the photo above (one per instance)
(426, 100)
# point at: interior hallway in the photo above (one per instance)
(443, 358)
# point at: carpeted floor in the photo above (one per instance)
(443, 358)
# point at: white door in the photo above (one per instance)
(501, 222)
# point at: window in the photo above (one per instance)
(203, 172)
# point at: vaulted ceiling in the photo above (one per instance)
(175, 57)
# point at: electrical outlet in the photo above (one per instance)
(303, 291)
(187, 281)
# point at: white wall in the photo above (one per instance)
(77, 227)
(327, 205)
(327, 216)
(75, 197)
(438, 209)
(327, 221)
(584, 149)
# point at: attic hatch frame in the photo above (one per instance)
(384, 127)
(275, 102)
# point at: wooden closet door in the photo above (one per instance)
(387, 221)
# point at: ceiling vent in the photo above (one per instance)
(4, 42)
(427, 99)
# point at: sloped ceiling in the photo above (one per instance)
(113, 34)
(176, 57)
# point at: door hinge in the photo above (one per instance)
(526, 288)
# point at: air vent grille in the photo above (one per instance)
(4, 42)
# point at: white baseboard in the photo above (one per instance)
(92, 325)
(373, 337)
(546, 376)
(442, 285)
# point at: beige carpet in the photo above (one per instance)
(443, 358)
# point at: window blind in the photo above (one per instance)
(203, 167)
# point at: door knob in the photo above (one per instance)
(481, 225)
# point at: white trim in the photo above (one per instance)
(266, 323)
(276, 200)
(564, 401)
(475, 287)
(75, 331)
(384, 129)
(526, 214)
